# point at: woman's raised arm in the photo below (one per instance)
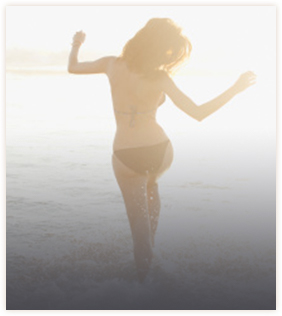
(201, 112)
(90, 67)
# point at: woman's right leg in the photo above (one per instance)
(134, 191)
(154, 203)
(154, 207)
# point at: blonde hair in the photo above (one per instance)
(159, 45)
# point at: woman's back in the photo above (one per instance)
(135, 102)
(130, 88)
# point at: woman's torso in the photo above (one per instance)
(135, 102)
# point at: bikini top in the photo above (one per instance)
(133, 114)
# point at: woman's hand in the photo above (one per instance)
(78, 38)
(246, 80)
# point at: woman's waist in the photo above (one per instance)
(136, 137)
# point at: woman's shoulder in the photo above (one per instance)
(110, 60)
(110, 64)
(163, 79)
(115, 62)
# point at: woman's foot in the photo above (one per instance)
(143, 258)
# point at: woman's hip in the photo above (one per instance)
(150, 160)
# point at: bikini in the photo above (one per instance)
(142, 160)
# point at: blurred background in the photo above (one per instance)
(68, 239)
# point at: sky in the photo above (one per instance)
(226, 40)
(223, 37)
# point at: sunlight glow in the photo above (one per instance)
(222, 37)
(226, 40)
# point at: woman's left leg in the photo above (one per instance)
(134, 191)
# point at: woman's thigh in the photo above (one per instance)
(132, 184)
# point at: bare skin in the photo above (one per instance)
(140, 192)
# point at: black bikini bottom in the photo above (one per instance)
(143, 160)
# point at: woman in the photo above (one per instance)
(140, 78)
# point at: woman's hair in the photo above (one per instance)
(159, 45)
